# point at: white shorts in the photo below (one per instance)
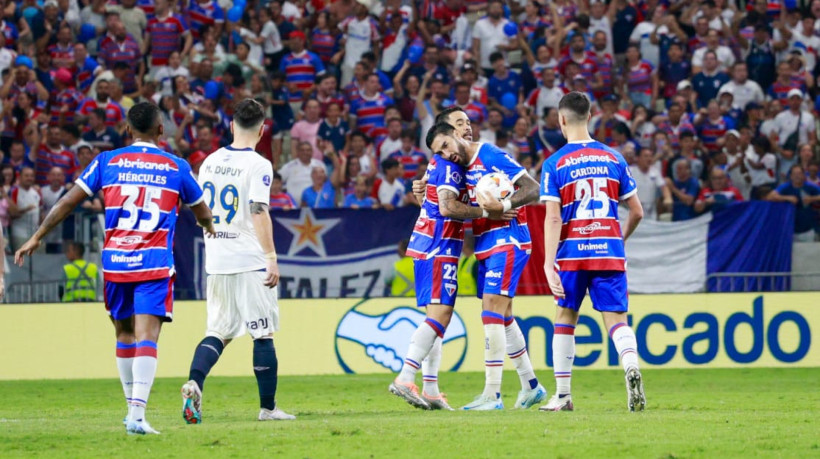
(240, 302)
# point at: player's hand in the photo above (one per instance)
(209, 229)
(271, 274)
(419, 189)
(488, 203)
(554, 281)
(26, 250)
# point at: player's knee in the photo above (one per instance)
(497, 303)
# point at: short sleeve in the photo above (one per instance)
(627, 187)
(219, 15)
(260, 180)
(91, 178)
(506, 164)
(317, 64)
(189, 190)
(549, 185)
(447, 176)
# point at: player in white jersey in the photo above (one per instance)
(241, 263)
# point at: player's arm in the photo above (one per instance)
(635, 215)
(552, 236)
(527, 193)
(262, 224)
(204, 218)
(64, 207)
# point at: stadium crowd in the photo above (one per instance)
(710, 101)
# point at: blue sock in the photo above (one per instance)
(205, 357)
(265, 367)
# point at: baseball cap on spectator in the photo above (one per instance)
(753, 106)
(733, 132)
(795, 93)
(197, 157)
(609, 98)
(683, 84)
(468, 66)
(725, 90)
(50, 3)
(297, 34)
(64, 76)
(24, 61)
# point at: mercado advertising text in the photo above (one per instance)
(673, 331)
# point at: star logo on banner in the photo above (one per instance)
(308, 232)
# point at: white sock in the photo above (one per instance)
(626, 344)
(494, 344)
(144, 368)
(420, 344)
(563, 354)
(429, 369)
(517, 351)
(125, 361)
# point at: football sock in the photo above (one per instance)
(144, 369)
(265, 367)
(494, 345)
(206, 355)
(626, 344)
(517, 350)
(420, 344)
(429, 368)
(563, 353)
(125, 362)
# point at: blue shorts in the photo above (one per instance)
(607, 289)
(154, 297)
(436, 281)
(499, 274)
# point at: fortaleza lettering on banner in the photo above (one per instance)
(322, 253)
(327, 336)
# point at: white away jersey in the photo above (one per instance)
(231, 180)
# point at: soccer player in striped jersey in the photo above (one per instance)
(142, 187)
(502, 250)
(436, 245)
(241, 263)
(582, 184)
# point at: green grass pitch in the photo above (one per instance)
(690, 413)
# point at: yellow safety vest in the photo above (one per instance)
(80, 281)
(466, 280)
(404, 279)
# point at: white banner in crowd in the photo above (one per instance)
(668, 256)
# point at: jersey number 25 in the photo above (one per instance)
(593, 197)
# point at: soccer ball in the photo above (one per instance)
(497, 184)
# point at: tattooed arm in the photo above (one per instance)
(450, 206)
(527, 193)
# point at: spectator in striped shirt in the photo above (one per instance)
(718, 194)
(67, 100)
(123, 48)
(279, 198)
(712, 126)
(367, 113)
(51, 153)
(301, 67)
(165, 34)
(204, 13)
(408, 155)
(62, 52)
(85, 68)
(641, 79)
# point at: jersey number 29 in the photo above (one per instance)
(228, 199)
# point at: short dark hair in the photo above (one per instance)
(439, 128)
(144, 118)
(623, 129)
(120, 65)
(360, 134)
(277, 75)
(686, 135)
(248, 114)
(369, 56)
(495, 56)
(389, 163)
(72, 130)
(100, 113)
(78, 247)
(408, 134)
(444, 114)
(577, 104)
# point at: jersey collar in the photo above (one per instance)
(144, 144)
